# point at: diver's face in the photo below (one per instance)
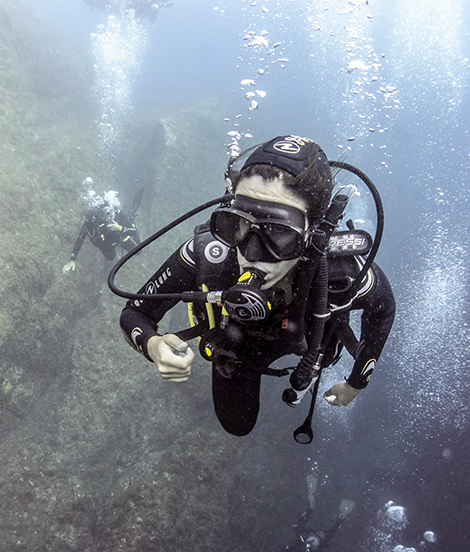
(274, 191)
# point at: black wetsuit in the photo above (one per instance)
(236, 394)
(305, 531)
(96, 228)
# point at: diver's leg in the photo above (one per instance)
(236, 401)
(108, 250)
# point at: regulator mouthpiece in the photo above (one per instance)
(246, 303)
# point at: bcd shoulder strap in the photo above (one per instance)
(209, 257)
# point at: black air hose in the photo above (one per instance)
(301, 377)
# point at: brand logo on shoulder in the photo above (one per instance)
(151, 287)
(216, 252)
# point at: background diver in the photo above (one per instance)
(107, 227)
(266, 246)
(309, 537)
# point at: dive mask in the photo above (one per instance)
(276, 231)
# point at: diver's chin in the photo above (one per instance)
(275, 272)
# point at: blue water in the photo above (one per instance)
(385, 86)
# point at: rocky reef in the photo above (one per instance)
(97, 453)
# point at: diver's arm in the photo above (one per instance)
(376, 323)
(79, 241)
(130, 233)
(129, 237)
(76, 248)
(377, 319)
(139, 319)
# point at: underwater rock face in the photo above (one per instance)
(97, 453)
(46, 124)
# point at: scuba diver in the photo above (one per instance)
(107, 226)
(309, 538)
(289, 280)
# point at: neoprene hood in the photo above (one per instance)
(289, 153)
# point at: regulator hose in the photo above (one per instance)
(162, 296)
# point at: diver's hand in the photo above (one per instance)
(114, 226)
(171, 356)
(69, 266)
(340, 394)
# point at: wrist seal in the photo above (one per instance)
(360, 379)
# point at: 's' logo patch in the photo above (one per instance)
(216, 252)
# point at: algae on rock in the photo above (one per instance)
(97, 452)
